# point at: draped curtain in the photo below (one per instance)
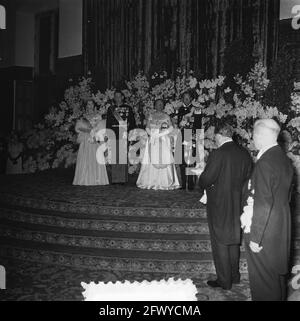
(121, 37)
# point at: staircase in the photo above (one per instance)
(115, 242)
(153, 242)
(109, 228)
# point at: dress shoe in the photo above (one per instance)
(216, 284)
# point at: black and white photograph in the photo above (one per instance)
(150, 152)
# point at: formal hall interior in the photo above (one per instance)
(67, 216)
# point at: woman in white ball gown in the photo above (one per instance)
(158, 170)
(89, 171)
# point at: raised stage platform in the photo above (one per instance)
(118, 230)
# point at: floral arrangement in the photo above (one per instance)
(52, 143)
(246, 217)
(293, 132)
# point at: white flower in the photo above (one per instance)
(297, 85)
(238, 79)
(246, 217)
(177, 104)
(295, 123)
(193, 82)
(295, 100)
(220, 80)
(201, 100)
(258, 76)
(196, 103)
(169, 109)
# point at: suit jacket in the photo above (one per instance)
(227, 170)
(126, 114)
(271, 221)
(197, 124)
(183, 110)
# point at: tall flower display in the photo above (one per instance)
(52, 143)
(293, 134)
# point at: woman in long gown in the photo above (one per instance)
(158, 170)
(88, 171)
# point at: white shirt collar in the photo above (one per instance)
(226, 141)
(262, 151)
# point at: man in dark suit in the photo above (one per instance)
(120, 120)
(186, 180)
(267, 226)
(227, 170)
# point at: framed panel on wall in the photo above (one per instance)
(46, 43)
(23, 114)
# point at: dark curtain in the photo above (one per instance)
(121, 37)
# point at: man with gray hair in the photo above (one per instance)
(267, 225)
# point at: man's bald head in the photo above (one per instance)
(265, 133)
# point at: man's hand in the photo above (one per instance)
(255, 247)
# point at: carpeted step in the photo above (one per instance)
(145, 254)
(53, 255)
(110, 260)
(169, 225)
(102, 222)
(125, 242)
(94, 211)
(44, 218)
(170, 232)
(172, 238)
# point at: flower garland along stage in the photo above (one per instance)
(52, 143)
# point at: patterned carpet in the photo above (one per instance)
(39, 282)
(54, 235)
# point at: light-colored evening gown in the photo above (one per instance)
(158, 170)
(88, 171)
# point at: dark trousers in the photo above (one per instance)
(119, 172)
(187, 181)
(265, 283)
(226, 260)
